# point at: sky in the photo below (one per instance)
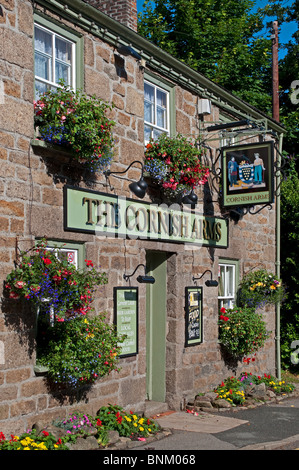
(286, 30)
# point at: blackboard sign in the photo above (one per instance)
(126, 318)
(193, 308)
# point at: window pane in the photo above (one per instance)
(40, 88)
(63, 50)
(62, 72)
(149, 93)
(161, 117)
(221, 281)
(230, 282)
(157, 133)
(161, 99)
(148, 112)
(147, 134)
(43, 66)
(43, 41)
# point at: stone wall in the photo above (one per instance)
(31, 205)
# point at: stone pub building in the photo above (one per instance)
(42, 194)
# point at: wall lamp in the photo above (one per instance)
(190, 199)
(138, 187)
(210, 282)
(142, 279)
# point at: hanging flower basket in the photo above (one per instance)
(242, 331)
(74, 121)
(259, 288)
(175, 164)
(42, 279)
(78, 352)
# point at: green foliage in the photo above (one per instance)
(71, 119)
(219, 39)
(289, 266)
(175, 162)
(79, 351)
(42, 278)
(259, 288)
(242, 331)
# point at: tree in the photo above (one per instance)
(217, 38)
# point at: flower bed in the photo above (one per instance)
(245, 390)
(80, 425)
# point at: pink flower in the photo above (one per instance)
(20, 284)
(13, 295)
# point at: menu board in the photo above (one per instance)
(126, 318)
(193, 308)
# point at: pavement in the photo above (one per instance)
(273, 426)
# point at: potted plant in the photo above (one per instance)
(74, 121)
(42, 279)
(242, 331)
(175, 164)
(259, 288)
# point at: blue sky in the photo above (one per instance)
(286, 30)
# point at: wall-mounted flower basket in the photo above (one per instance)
(51, 284)
(175, 164)
(73, 121)
(259, 288)
(242, 331)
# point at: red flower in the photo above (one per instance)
(222, 310)
(99, 422)
(47, 261)
(89, 262)
(45, 433)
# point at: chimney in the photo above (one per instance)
(123, 11)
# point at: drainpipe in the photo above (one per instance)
(277, 262)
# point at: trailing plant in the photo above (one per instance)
(242, 331)
(74, 120)
(114, 417)
(79, 351)
(175, 163)
(259, 288)
(41, 278)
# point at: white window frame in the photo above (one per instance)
(50, 84)
(153, 125)
(228, 299)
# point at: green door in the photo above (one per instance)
(156, 326)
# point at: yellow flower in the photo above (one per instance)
(141, 428)
(135, 424)
(272, 287)
(135, 417)
(141, 421)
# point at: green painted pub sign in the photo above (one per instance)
(119, 217)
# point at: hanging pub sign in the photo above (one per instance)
(120, 217)
(126, 318)
(248, 174)
(193, 309)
